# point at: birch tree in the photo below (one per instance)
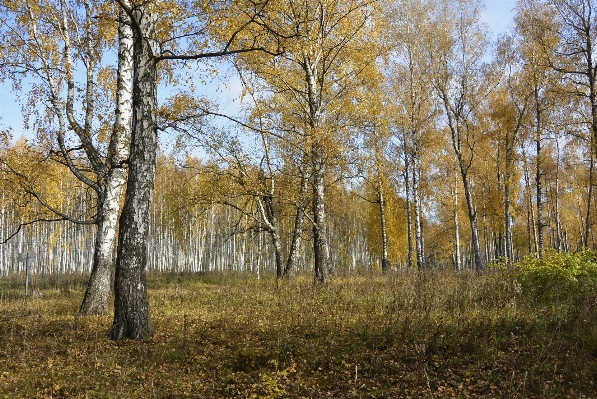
(55, 45)
(534, 25)
(311, 81)
(414, 107)
(379, 177)
(564, 31)
(456, 60)
(162, 32)
(100, 283)
(375, 165)
(509, 107)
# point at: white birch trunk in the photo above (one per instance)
(99, 286)
(320, 248)
(3, 268)
(320, 243)
(409, 219)
(458, 255)
(538, 176)
(131, 308)
(419, 243)
(295, 243)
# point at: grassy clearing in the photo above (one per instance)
(433, 335)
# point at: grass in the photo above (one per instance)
(431, 335)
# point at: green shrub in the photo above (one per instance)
(559, 277)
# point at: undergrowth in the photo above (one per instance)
(435, 334)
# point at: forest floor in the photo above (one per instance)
(406, 335)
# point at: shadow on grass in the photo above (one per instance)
(439, 334)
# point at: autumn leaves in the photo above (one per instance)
(396, 102)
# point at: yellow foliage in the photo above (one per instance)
(396, 225)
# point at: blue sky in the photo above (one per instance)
(10, 110)
(497, 15)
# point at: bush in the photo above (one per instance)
(559, 277)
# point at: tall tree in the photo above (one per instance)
(535, 28)
(183, 35)
(99, 287)
(131, 308)
(414, 107)
(456, 58)
(565, 33)
(52, 43)
(375, 169)
(311, 81)
(509, 105)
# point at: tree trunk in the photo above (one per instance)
(409, 218)
(419, 242)
(472, 215)
(270, 220)
(592, 77)
(556, 201)
(538, 174)
(458, 255)
(508, 224)
(320, 243)
(385, 263)
(588, 217)
(321, 252)
(295, 242)
(131, 308)
(464, 165)
(486, 238)
(593, 143)
(539, 199)
(99, 287)
(509, 246)
(3, 266)
(531, 232)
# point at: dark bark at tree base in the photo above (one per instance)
(131, 315)
(386, 266)
(99, 288)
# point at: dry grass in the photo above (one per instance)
(433, 335)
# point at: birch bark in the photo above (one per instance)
(385, 263)
(321, 252)
(320, 243)
(457, 255)
(131, 307)
(418, 209)
(462, 87)
(299, 218)
(539, 172)
(409, 218)
(99, 287)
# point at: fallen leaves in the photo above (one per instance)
(255, 340)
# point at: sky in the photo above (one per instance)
(497, 16)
